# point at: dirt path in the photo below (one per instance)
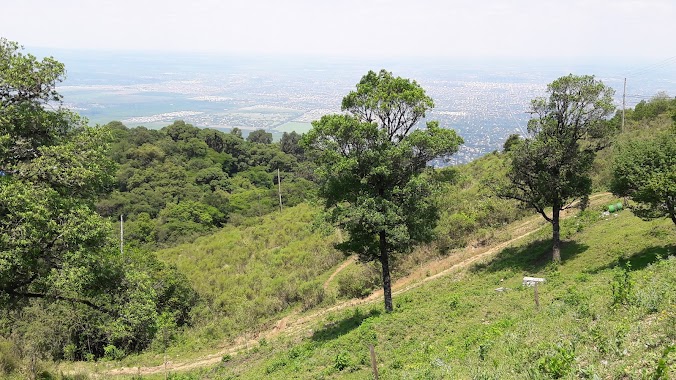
(342, 266)
(295, 323)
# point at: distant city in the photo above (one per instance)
(484, 102)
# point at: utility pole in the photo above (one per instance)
(624, 97)
(121, 235)
(279, 189)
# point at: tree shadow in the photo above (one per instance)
(640, 259)
(336, 329)
(532, 257)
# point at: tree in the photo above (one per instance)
(290, 144)
(551, 168)
(54, 168)
(645, 170)
(512, 142)
(260, 136)
(370, 164)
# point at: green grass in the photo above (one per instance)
(459, 327)
(248, 276)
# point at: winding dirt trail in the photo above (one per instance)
(342, 266)
(297, 324)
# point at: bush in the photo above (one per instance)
(358, 283)
(9, 360)
(341, 361)
(110, 352)
(622, 286)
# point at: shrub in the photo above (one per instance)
(110, 352)
(341, 361)
(358, 283)
(622, 286)
(9, 360)
(558, 362)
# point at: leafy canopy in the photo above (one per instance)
(645, 170)
(551, 168)
(53, 169)
(370, 162)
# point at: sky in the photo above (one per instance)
(604, 29)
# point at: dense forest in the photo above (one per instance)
(181, 181)
(120, 243)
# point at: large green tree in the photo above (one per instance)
(53, 168)
(645, 170)
(551, 168)
(64, 288)
(370, 163)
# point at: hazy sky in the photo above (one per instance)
(640, 29)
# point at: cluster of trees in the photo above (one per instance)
(179, 181)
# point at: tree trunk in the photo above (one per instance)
(671, 210)
(387, 282)
(556, 234)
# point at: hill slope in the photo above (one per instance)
(608, 310)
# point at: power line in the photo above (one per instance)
(651, 67)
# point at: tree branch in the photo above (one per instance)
(61, 298)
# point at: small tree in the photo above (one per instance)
(551, 167)
(370, 162)
(645, 170)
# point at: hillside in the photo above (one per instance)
(194, 253)
(606, 311)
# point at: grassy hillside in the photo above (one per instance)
(608, 311)
(247, 275)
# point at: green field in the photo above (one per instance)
(294, 126)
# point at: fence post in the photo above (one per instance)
(373, 361)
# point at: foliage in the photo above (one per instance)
(65, 291)
(659, 104)
(444, 328)
(247, 275)
(622, 286)
(370, 165)
(552, 168)
(469, 211)
(181, 181)
(511, 143)
(52, 241)
(645, 170)
(260, 136)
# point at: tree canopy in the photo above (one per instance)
(645, 170)
(370, 162)
(54, 169)
(551, 167)
(59, 266)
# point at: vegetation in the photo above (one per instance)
(209, 259)
(370, 168)
(65, 291)
(460, 327)
(250, 274)
(552, 168)
(645, 170)
(181, 181)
